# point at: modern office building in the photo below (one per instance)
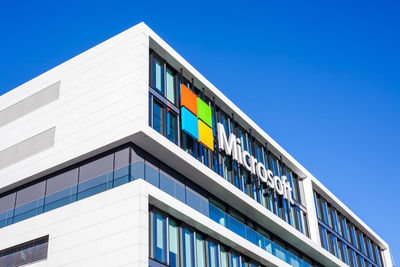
(125, 155)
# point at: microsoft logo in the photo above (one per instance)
(196, 118)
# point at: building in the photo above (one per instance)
(125, 155)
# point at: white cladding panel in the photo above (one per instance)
(103, 99)
(108, 229)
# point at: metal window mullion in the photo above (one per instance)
(151, 68)
(194, 248)
(151, 236)
(164, 85)
(168, 237)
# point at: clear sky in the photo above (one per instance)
(322, 78)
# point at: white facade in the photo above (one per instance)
(103, 102)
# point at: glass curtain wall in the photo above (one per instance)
(187, 246)
(341, 238)
(164, 118)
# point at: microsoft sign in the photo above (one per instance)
(232, 148)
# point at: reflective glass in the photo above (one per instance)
(158, 76)
(235, 260)
(170, 84)
(172, 127)
(159, 237)
(158, 117)
(212, 254)
(223, 256)
(188, 248)
(200, 251)
(173, 233)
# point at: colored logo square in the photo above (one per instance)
(189, 123)
(204, 112)
(188, 99)
(206, 135)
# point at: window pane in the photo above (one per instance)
(212, 254)
(188, 248)
(224, 256)
(158, 76)
(172, 127)
(61, 189)
(158, 117)
(159, 238)
(121, 158)
(173, 243)
(31, 193)
(6, 208)
(235, 260)
(96, 168)
(324, 240)
(200, 251)
(62, 181)
(170, 86)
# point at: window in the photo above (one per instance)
(172, 126)
(188, 248)
(7, 203)
(159, 238)
(25, 253)
(324, 239)
(223, 256)
(163, 78)
(200, 251)
(170, 85)
(29, 201)
(173, 233)
(61, 189)
(234, 260)
(158, 117)
(96, 176)
(212, 254)
(158, 75)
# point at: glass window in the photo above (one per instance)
(61, 189)
(212, 254)
(361, 241)
(235, 260)
(62, 181)
(188, 248)
(121, 167)
(6, 209)
(159, 246)
(24, 254)
(376, 252)
(158, 117)
(31, 193)
(352, 259)
(345, 233)
(173, 232)
(353, 235)
(223, 256)
(158, 75)
(96, 176)
(369, 249)
(172, 127)
(200, 251)
(121, 158)
(333, 244)
(324, 240)
(170, 84)
(96, 168)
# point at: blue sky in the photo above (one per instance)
(321, 78)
